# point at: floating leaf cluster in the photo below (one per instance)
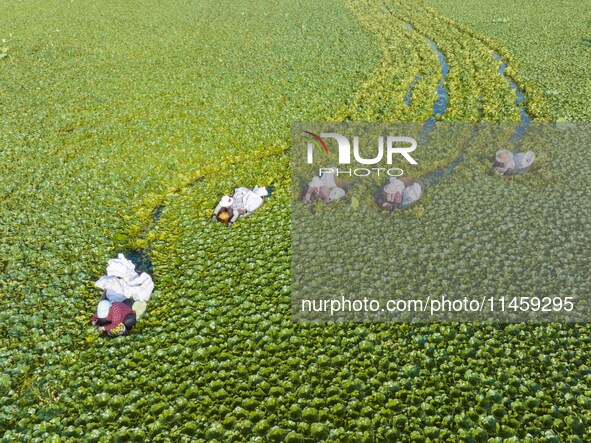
(107, 125)
(549, 49)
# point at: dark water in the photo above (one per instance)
(440, 105)
(519, 94)
(141, 258)
(439, 108)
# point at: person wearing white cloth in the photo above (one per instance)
(244, 202)
(316, 188)
(390, 195)
(328, 180)
(504, 163)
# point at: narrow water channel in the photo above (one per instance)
(524, 117)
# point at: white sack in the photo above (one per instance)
(111, 284)
(247, 200)
(336, 193)
(140, 288)
(121, 267)
(261, 192)
(122, 280)
(524, 160)
(411, 194)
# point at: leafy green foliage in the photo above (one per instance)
(105, 122)
(549, 45)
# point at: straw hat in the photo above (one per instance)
(394, 186)
(315, 182)
(504, 156)
(226, 201)
(103, 308)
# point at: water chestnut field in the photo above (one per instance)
(124, 122)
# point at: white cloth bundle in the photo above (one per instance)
(524, 160)
(121, 267)
(261, 192)
(122, 281)
(411, 194)
(249, 200)
(336, 193)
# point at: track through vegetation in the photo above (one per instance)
(109, 158)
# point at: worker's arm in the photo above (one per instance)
(307, 197)
(216, 211)
(235, 215)
(94, 319)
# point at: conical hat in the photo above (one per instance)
(103, 308)
(226, 201)
(394, 186)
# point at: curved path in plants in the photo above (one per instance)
(396, 10)
(141, 257)
(440, 105)
(439, 108)
(524, 116)
(519, 94)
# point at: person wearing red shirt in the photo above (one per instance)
(110, 315)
